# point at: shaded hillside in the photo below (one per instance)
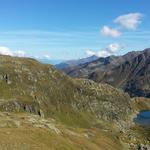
(130, 72)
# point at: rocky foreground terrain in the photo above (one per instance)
(130, 72)
(42, 108)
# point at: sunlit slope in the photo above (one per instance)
(27, 85)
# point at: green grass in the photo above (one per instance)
(60, 96)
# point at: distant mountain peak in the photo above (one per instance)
(71, 63)
(130, 72)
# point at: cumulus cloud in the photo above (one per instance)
(109, 50)
(20, 53)
(7, 51)
(129, 21)
(114, 47)
(110, 32)
(90, 53)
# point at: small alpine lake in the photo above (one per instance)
(143, 119)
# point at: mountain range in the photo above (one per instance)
(43, 108)
(130, 72)
(72, 63)
(50, 61)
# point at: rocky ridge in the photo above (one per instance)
(130, 72)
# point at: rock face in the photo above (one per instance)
(27, 85)
(130, 72)
(16, 106)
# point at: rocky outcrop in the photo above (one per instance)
(140, 104)
(16, 106)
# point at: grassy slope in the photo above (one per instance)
(84, 107)
(56, 95)
(26, 131)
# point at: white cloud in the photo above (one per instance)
(5, 51)
(20, 53)
(47, 56)
(107, 31)
(103, 53)
(109, 50)
(114, 47)
(8, 51)
(129, 21)
(90, 53)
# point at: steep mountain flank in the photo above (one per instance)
(130, 72)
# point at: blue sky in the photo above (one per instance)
(68, 29)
